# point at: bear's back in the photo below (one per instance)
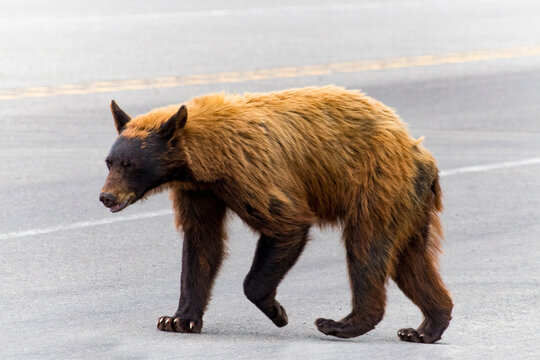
(317, 148)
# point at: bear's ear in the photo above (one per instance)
(120, 117)
(175, 122)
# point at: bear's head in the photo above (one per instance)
(142, 160)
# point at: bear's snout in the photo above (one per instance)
(108, 199)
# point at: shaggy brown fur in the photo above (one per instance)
(284, 161)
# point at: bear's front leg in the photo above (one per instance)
(201, 216)
(274, 257)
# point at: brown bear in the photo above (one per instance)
(284, 161)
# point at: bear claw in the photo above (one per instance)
(409, 334)
(335, 328)
(412, 335)
(177, 324)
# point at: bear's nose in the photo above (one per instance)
(107, 199)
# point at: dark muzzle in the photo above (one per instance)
(108, 199)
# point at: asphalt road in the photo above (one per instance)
(79, 282)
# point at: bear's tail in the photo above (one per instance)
(434, 235)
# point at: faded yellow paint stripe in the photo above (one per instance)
(265, 74)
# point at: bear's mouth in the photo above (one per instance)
(118, 207)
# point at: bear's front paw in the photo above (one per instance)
(177, 324)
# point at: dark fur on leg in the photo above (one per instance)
(367, 276)
(273, 259)
(202, 217)
(417, 276)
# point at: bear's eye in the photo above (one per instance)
(127, 164)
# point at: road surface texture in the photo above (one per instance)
(79, 282)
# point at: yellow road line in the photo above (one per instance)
(265, 74)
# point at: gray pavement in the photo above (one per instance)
(96, 291)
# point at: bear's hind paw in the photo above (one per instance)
(412, 335)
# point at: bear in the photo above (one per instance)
(284, 161)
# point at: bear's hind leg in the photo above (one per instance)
(417, 276)
(368, 269)
(273, 259)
